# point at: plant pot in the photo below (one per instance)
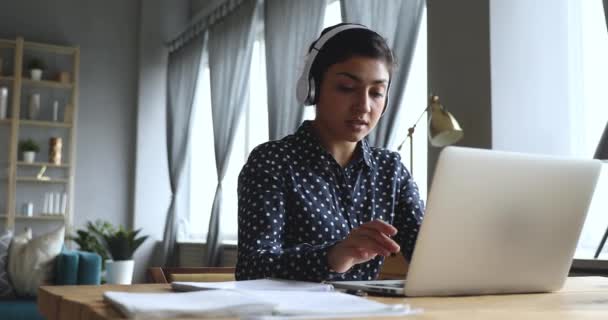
(29, 156)
(119, 272)
(36, 74)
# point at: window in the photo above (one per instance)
(254, 123)
(253, 130)
(592, 115)
(415, 100)
(333, 16)
(202, 164)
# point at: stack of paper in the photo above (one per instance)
(239, 300)
(206, 304)
(260, 284)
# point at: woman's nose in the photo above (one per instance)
(362, 103)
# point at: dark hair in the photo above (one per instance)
(347, 44)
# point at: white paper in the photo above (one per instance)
(250, 303)
(293, 303)
(206, 304)
(260, 284)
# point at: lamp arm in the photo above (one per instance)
(410, 130)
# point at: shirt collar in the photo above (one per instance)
(308, 136)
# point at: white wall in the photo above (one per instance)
(459, 68)
(122, 103)
(106, 32)
(530, 76)
(160, 21)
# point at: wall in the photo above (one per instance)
(459, 68)
(160, 21)
(203, 7)
(531, 93)
(106, 32)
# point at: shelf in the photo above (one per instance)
(36, 123)
(40, 217)
(27, 180)
(7, 43)
(47, 83)
(40, 164)
(36, 180)
(49, 48)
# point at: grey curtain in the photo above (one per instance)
(299, 22)
(602, 147)
(182, 75)
(398, 21)
(606, 11)
(230, 48)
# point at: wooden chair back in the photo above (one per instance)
(193, 274)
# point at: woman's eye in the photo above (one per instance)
(345, 88)
(377, 94)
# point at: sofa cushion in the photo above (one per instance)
(89, 268)
(66, 268)
(6, 289)
(19, 309)
(31, 261)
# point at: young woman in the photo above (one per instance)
(322, 204)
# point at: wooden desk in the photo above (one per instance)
(581, 298)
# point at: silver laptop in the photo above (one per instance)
(496, 222)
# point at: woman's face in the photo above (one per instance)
(352, 98)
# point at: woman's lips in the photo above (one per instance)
(357, 125)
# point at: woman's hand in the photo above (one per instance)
(363, 244)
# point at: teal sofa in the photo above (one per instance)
(71, 268)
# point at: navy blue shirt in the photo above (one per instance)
(295, 202)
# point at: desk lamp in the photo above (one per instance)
(444, 130)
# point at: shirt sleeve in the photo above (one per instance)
(409, 211)
(262, 252)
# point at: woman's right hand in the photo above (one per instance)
(363, 244)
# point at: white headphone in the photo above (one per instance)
(306, 86)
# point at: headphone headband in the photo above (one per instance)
(305, 90)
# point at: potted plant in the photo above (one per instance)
(121, 245)
(29, 148)
(88, 239)
(36, 67)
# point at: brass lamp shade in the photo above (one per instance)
(444, 130)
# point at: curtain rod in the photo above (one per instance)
(201, 22)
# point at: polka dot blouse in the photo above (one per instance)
(295, 202)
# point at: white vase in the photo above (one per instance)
(34, 107)
(29, 156)
(36, 74)
(3, 102)
(119, 272)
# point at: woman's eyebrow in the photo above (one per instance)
(355, 78)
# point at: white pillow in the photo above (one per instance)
(6, 289)
(31, 261)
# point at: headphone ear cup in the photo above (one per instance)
(302, 89)
(312, 92)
